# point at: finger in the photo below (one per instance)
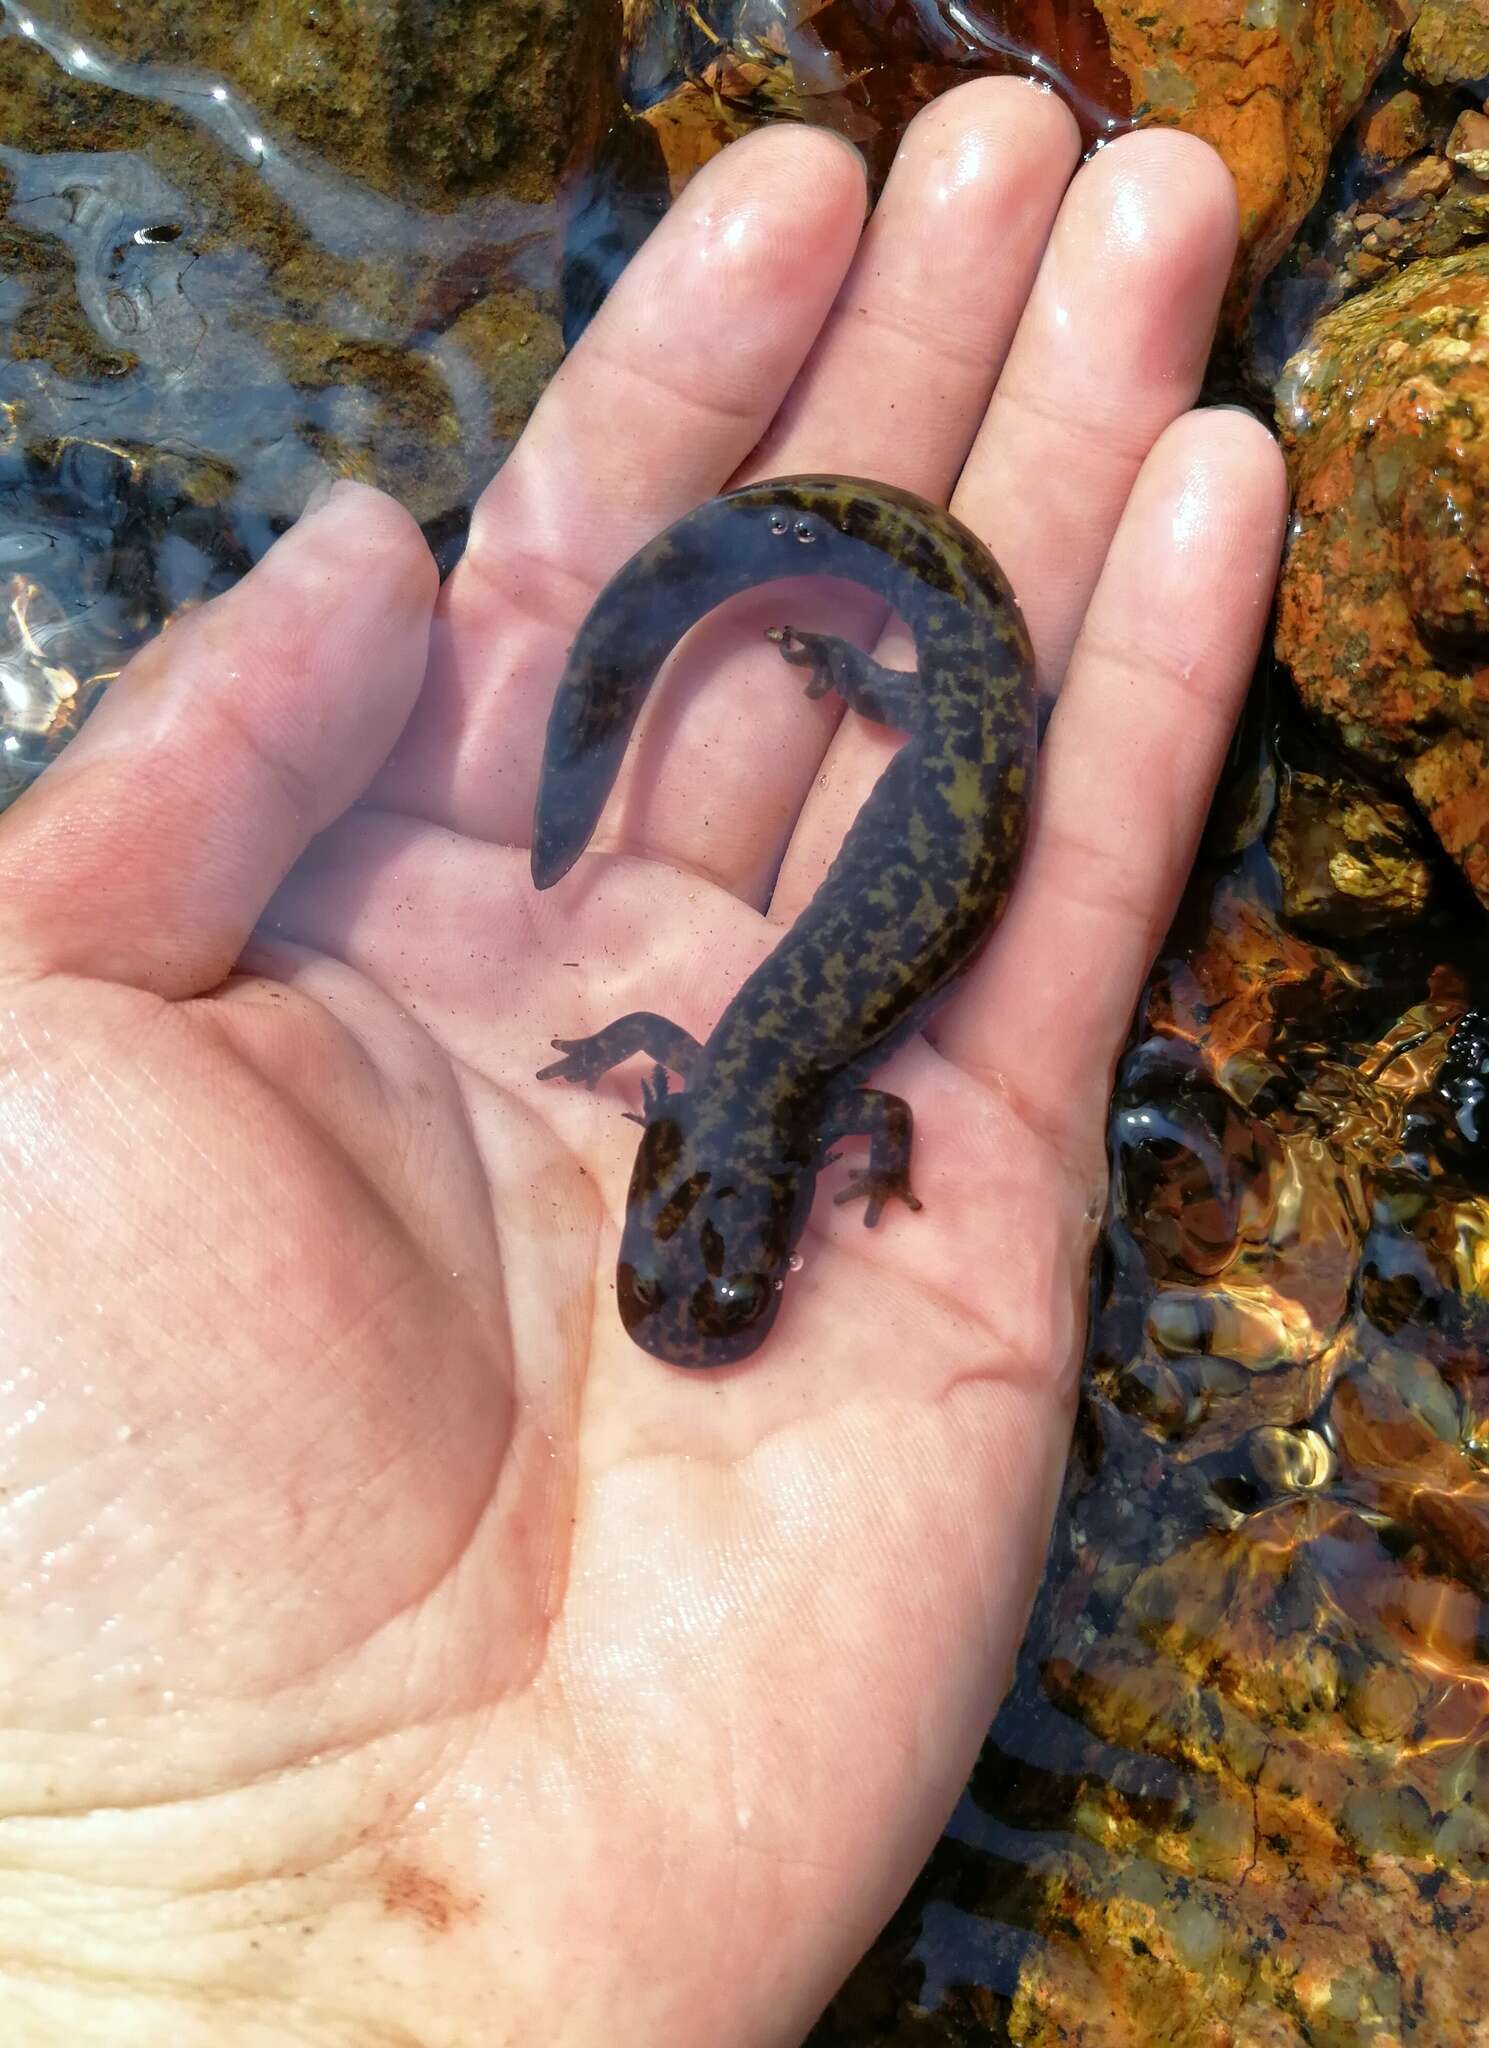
(1127, 769)
(146, 853)
(669, 390)
(901, 373)
(1111, 350)
(894, 389)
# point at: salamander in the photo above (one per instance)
(727, 1166)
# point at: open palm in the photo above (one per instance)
(393, 1652)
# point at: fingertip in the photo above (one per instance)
(793, 151)
(228, 741)
(385, 537)
(1252, 451)
(770, 208)
(1009, 113)
(1170, 163)
(1226, 481)
(1164, 200)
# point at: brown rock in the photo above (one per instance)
(1394, 131)
(1384, 614)
(1350, 861)
(428, 104)
(1426, 177)
(1364, 266)
(1450, 43)
(1469, 142)
(349, 199)
(290, 241)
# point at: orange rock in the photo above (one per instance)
(1395, 131)
(1384, 613)
(1271, 88)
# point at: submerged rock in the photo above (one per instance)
(1350, 862)
(1450, 43)
(1239, 1794)
(279, 242)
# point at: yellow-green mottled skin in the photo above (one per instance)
(727, 1167)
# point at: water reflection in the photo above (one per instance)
(203, 319)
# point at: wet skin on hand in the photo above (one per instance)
(728, 1164)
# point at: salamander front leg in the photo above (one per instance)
(886, 1121)
(890, 696)
(590, 1059)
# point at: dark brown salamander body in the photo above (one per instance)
(727, 1166)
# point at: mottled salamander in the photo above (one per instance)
(727, 1167)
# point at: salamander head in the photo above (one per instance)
(704, 1253)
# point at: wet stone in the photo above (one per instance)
(281, 243)
(1290, 1460)
(1384, 611)
(1350, 861)
(1449, 44)
(1394, 130)
(1468, 144)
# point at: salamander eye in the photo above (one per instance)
(637, 1295)
(779, 523)
(741, 1300)
(805, 530)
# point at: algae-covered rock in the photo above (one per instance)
(1450, 42)
(1384, 617)
(428, 104)
(246, 247)
(326, 195)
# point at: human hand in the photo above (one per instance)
(394, 1652)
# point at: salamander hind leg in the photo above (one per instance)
(890, 696)
(590, 1059)
(886, 1121)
